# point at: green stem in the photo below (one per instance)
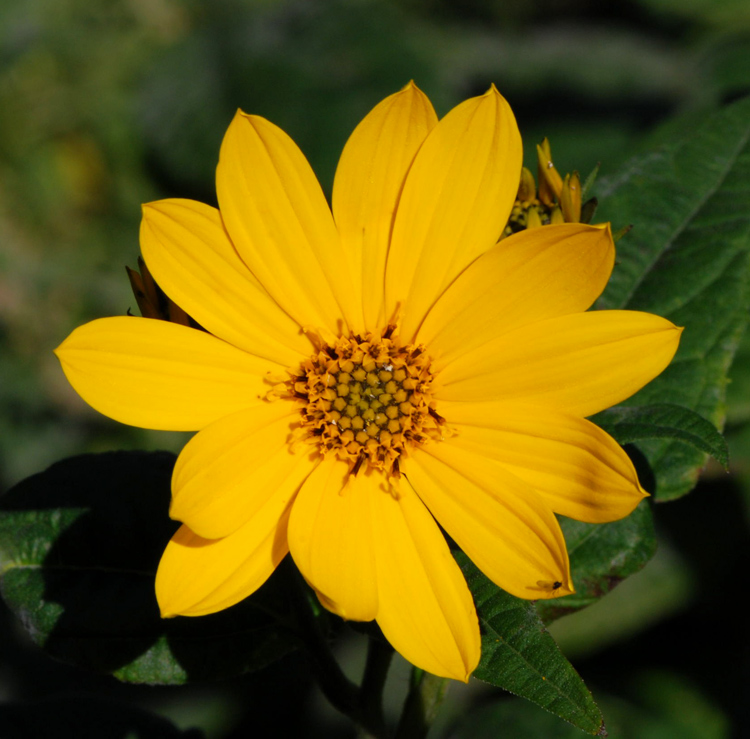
(379, 656)
(422, 704)
(341, 692)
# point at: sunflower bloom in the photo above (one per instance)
(372, 370)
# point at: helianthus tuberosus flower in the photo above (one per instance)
(370, 373)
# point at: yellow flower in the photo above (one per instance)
(556, 201)
(370, 373)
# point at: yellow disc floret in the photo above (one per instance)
(367, 400)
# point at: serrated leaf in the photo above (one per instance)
(79, 548)
(687, 258)
(601, 556)
(520, 656)
(664, 421)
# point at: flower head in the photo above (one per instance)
(555, 201)
(370, 374)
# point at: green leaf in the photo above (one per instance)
(688, 259)
(79, 548)
(520, 656)
(601, 556)
(664, 421)
(738, 392)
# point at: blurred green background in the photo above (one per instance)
(105, 104)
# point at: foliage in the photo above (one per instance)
(687, 258)
(80, 545)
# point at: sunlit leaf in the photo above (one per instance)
(688, 259)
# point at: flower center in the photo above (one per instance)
(368, 400)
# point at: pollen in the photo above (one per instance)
(367, 400)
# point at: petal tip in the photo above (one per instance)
(409, 94)
(548, 590)
(153, 206)
(606, 228)
(470, 663)
(170, 597)
(674, 333)
(61, 351)
(166, 609)
(250, 118)
(174, 505)
(238, 118)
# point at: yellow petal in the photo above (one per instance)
(455, 204)
(198, 576)
(499, 521)
(192, 259)
(528, 277)
(578, 470)
(279, 222)
(368, 183)
(533, 219)
(581, 363)
(228, 471)
(159, 375)
(426, 610)
(570, 199)
(550, 182)
(527, 188)
(330, 537)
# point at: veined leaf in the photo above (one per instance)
(601, 556)
(688, 259)
(520, 656)
(664, 421)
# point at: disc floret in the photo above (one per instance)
(368, 400)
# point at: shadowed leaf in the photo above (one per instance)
(79, 548)
(520, 656)
(664, 421)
